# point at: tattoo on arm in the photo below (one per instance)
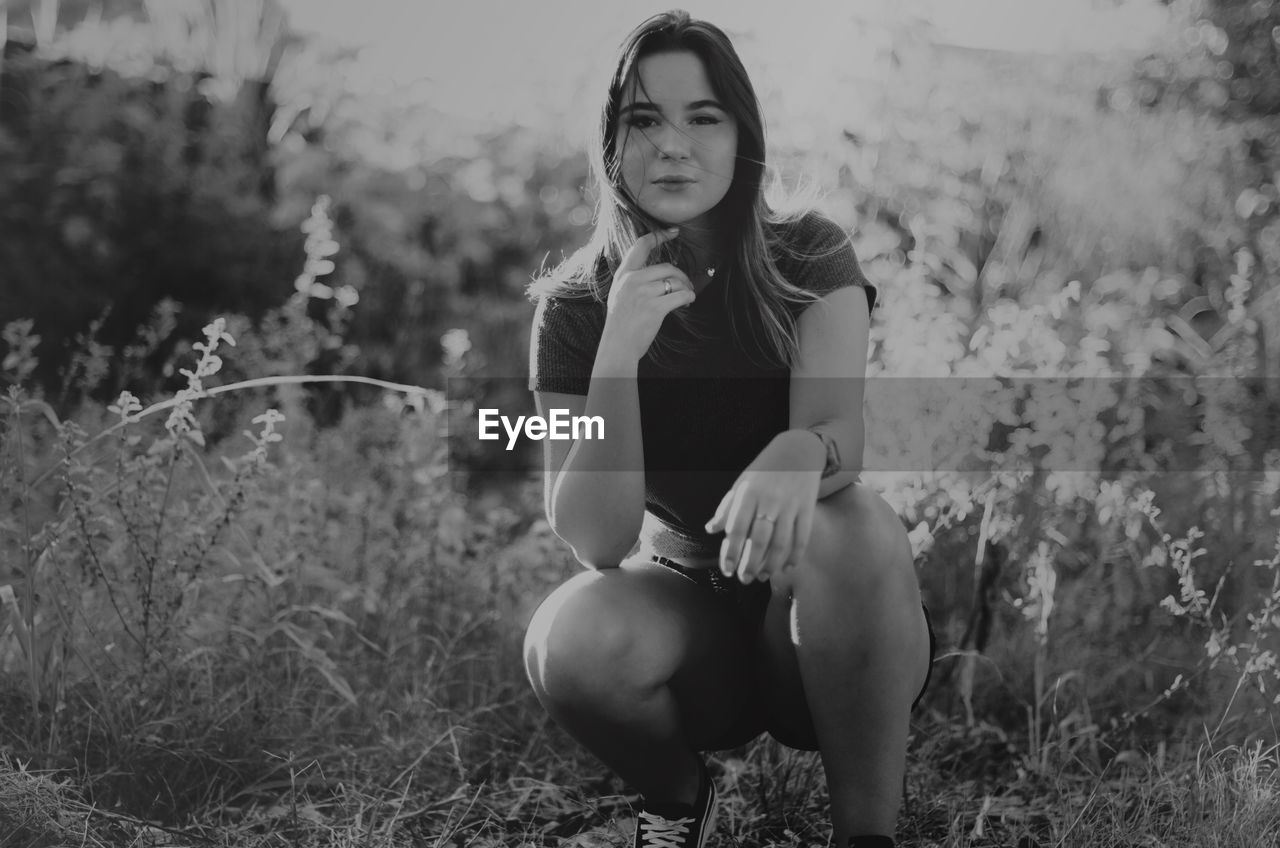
(832, 465)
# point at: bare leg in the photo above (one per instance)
(643, 668)
(855, 637)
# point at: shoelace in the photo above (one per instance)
(657, 832)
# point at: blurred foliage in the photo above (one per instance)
(1068, 216)
(1244, 38)
(132, 192)
(122, 193)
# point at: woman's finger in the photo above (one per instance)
(716, 524)
(758, 544)
(729, 554)
(676, 298)
(737, 526)
(634, 258)
(665, 272)
(780, 545)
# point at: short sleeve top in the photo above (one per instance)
(707, 411)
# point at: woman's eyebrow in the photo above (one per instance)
(646, 106)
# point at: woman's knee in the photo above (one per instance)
(585, 641)
(858, 543)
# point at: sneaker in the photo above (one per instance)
(674, 825)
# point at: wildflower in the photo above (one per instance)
(1042, 581)
(457, 344)
(268, 420)
(265, 436)
(126, 406)
(182, 421)
(1182, 554)
(20, 361)
(318, 247)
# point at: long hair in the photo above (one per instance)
(758, 297)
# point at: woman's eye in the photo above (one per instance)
(641, 122)
(706, 120)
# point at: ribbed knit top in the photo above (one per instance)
(708, 408)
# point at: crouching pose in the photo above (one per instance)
(740, 579)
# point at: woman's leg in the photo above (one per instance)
(846, 655)
(644, 668)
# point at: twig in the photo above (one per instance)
(256, 382)
(28, 585)
(91, 810)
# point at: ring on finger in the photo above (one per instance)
(666, 286)
(760, 516)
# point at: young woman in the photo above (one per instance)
(740, 579)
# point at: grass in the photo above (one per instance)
(1196, 798)
(1182, 796)
(444, 745)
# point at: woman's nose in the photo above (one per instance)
(671, 142)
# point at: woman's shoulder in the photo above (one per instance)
(816, 254)
(576, 281)
(568, 323)
(568, 305)
(808, 233)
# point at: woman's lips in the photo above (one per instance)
(673, 184)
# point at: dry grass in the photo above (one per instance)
(976, 794)
(986, 796)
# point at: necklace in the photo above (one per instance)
(710, 266)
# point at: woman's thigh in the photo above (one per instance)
(643, 625)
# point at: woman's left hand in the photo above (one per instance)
(767, 515)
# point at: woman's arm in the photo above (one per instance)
(595, 487)
(772, 502)
(599, 507)
(827, 383)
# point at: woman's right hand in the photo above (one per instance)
(642, 296)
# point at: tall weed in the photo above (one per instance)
(187, 614)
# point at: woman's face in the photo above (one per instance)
(676, 142)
